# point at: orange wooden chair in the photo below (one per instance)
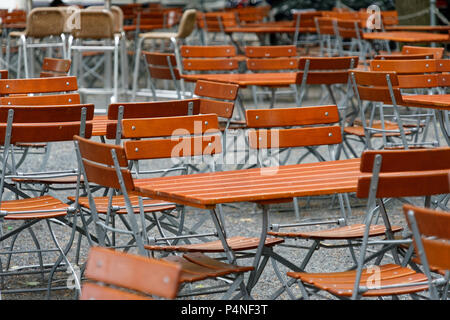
(162, 67)
(114, 275)
(431, 237)
(395, 174)
(438, 53)
(54, 67)
(262, 59)
(21, 211)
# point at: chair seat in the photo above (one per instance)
(17, 34)
(158, 35)
(237, 243)
(341, 283)
(101, 203)
(359, 130)
(197, 266)
(30, 204)
(354, 231)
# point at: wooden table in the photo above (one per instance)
(263, 186)
(440, 102)
(418, 28)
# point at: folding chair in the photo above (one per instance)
(21, 212)
(162, 70)
(438, 53)
(378, 89)
(327, 38)
(119, 177)
(430, 229)
(271, 59)
(114, 275)
(185, 28)
(416, 77)
(212, 26)
(54, 67)
(305, 34)
(395, 174)
(349, 34)
(207, 59)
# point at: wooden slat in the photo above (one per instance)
(218, 90)
(404, 66)
(207, 51)
(407, 160)
(38, 203)
(92, 291)
(270, 51)
(210, 64)
(371, 78)
(44, 132)
(100, 152)
(296, 137)
(169, 126)
(222, 109)
(47, 114)
(107, 176)
(256, 64)
(38, 85)
(407, 184)
(44, 100)
(173, 148)
(280, 117)
(328, 63)
(323, 77)
(154, 277)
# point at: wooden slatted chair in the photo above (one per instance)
(438, 53)
(22, 124)
(417, 77)
(54, 67)
(376, 89)
(431, 237)
(195, 266)
(271, 59)
(305, 34)
(213, 25)
(395, 174)
(114, 275)
(162, 67)
(327, 38)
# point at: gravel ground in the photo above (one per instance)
(240, 219)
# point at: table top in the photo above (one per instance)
(418, 28)
(435, 101)
(267, 185)
(406, 36)
(246, 79)
(269, 29)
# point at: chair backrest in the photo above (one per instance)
(194, 135)
(403, 56)
(42, 100)
(45, 123)
(187, 23)
(437, 52)
(431, 234)
(406, 173)
(349, 29)
(216, 21)
(325, 70)
(154, 109)
(115, 275)
(374, 86)
(271, 57)
(55, 67)
(95, 24)
(420, 73)
(117, 16)
(162, 65)
(209, 58)
(38, 85)
(98, 164)
(216, 97)
(43, 22)
(311, 126)
(325, 25)
(306, 19)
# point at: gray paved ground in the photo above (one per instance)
(241, 219)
